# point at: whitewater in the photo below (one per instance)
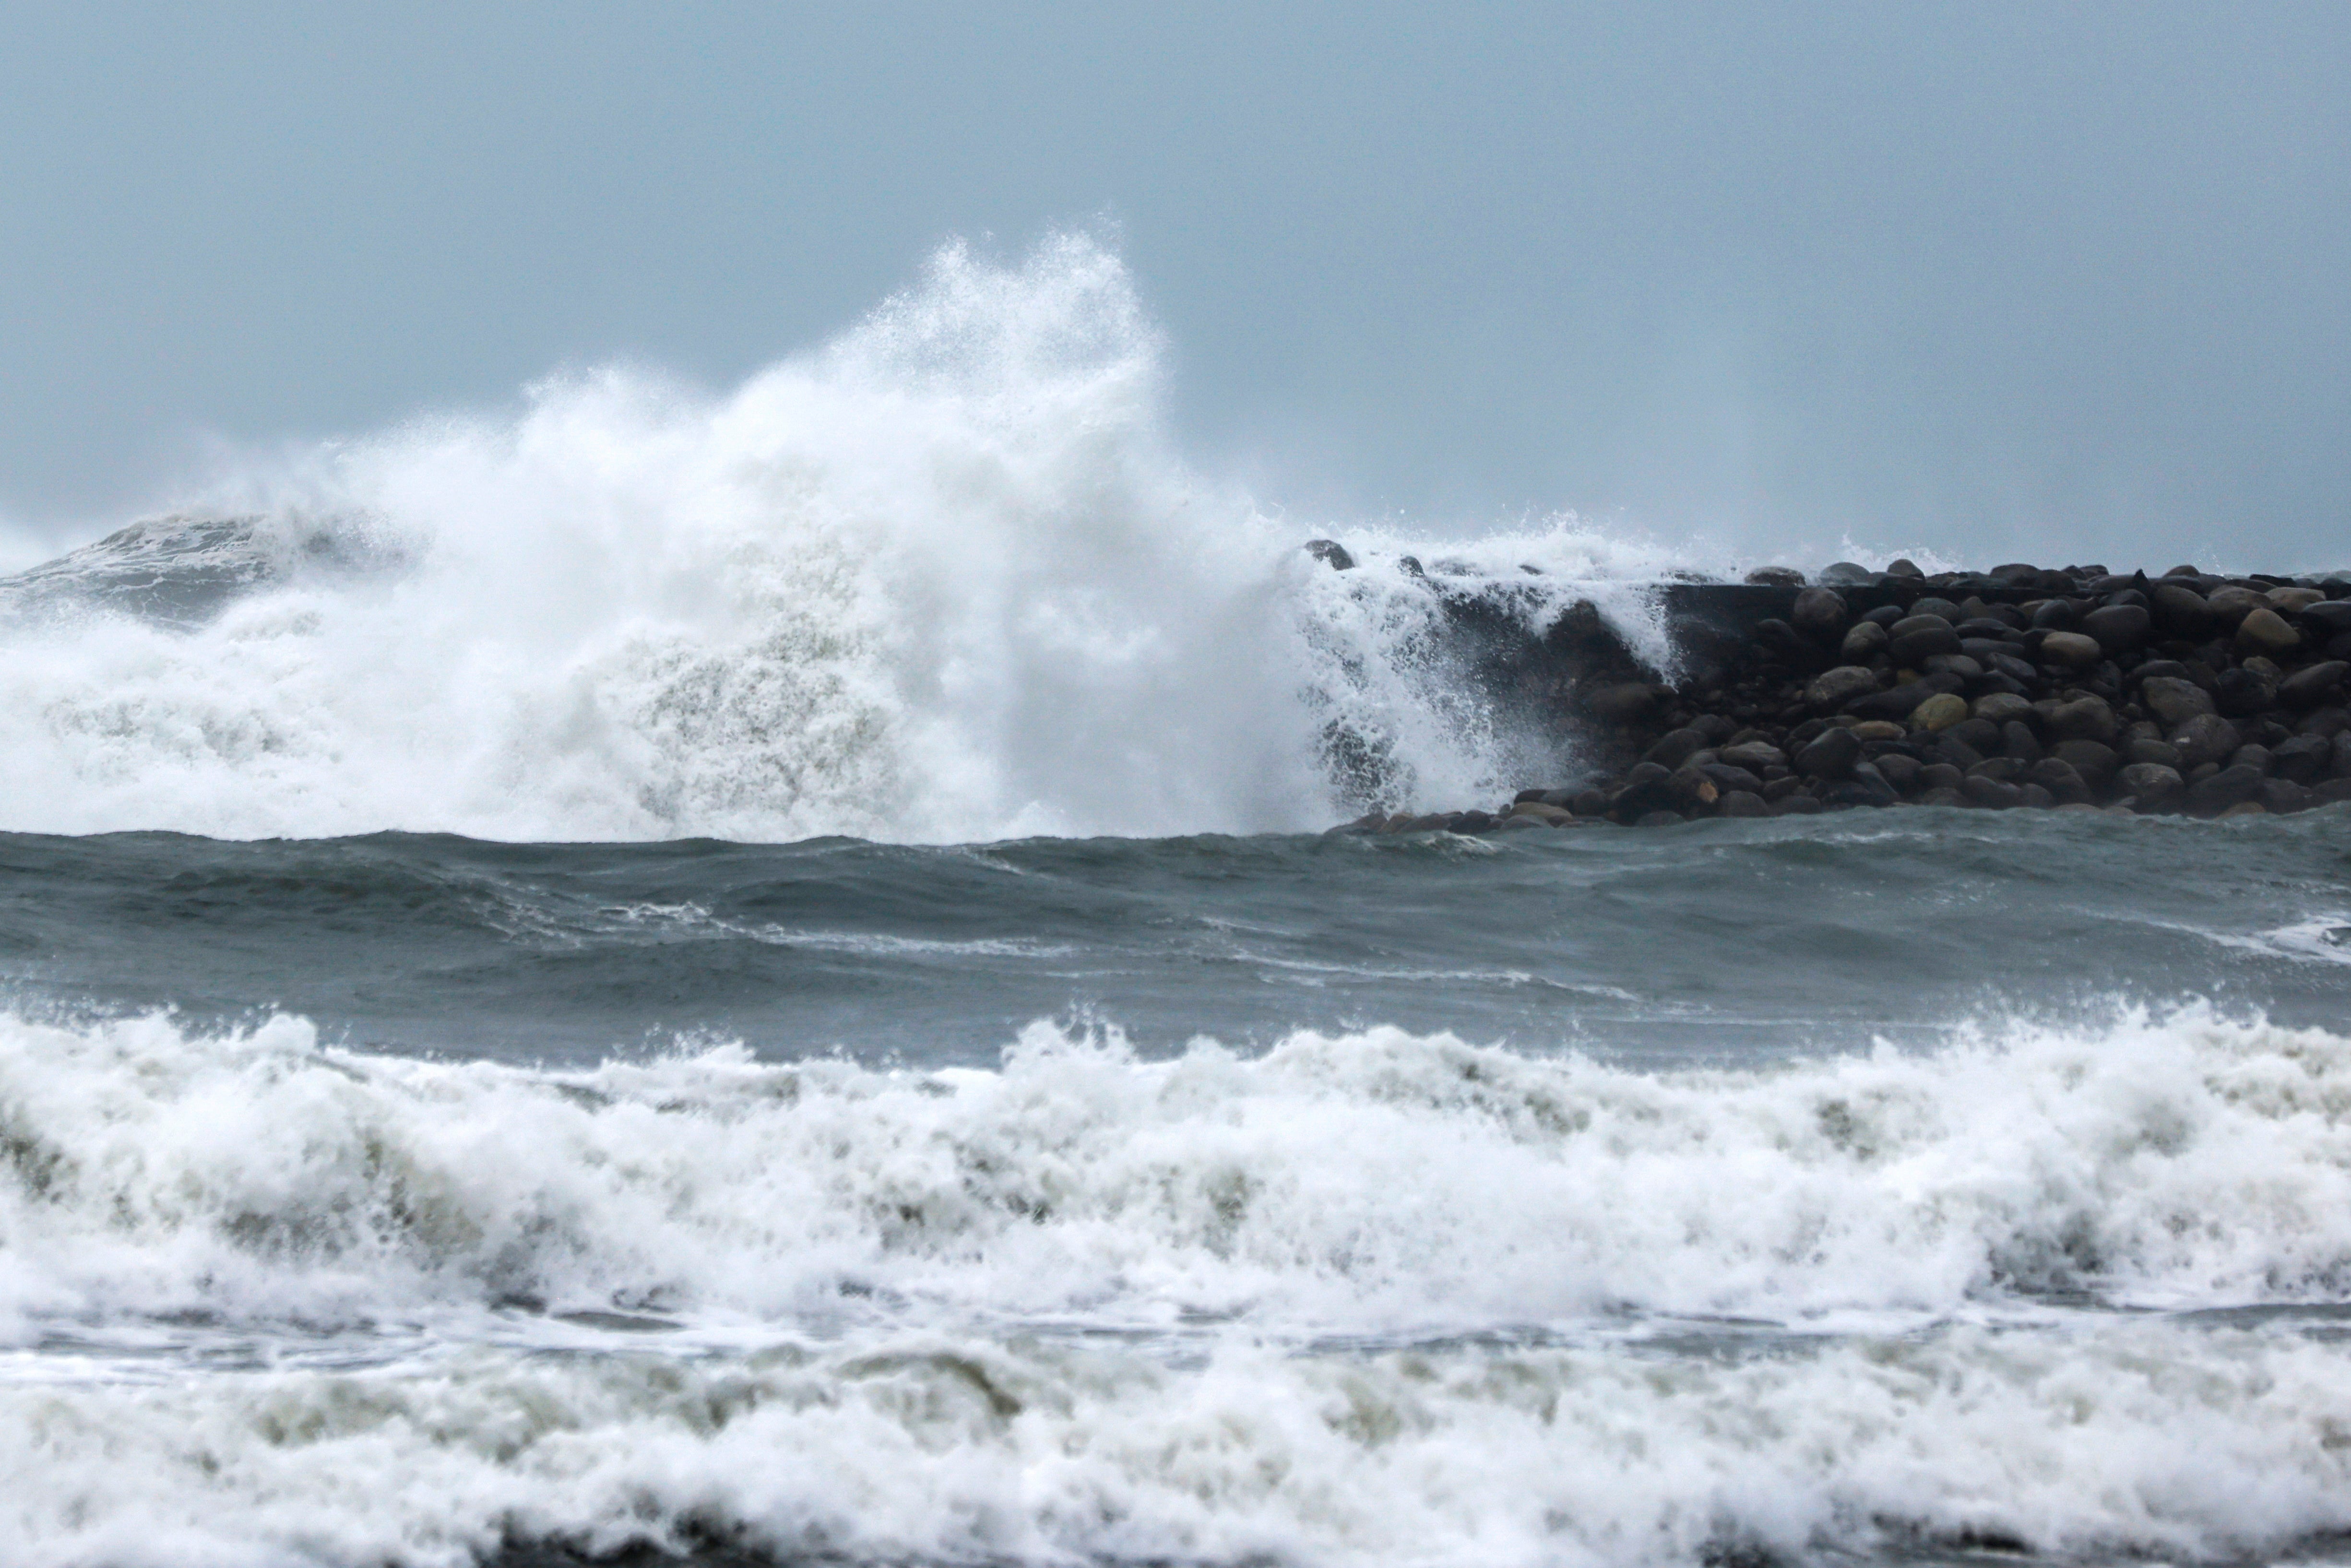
(754, 980)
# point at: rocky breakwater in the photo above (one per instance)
(2075, 689)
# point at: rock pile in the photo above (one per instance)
(2078, 689)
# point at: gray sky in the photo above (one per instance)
(2041, 281)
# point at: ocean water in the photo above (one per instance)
(756, 978)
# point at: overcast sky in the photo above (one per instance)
(2041, 280)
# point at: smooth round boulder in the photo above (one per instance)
(2003, 708)
(2061, 779)
(2309, 687)
(1990, 793)
(2264, 631)
(2084, 718)
(2094, 759)
(1675, 747)
(2206, 737)
(2119, 628)
(2230, 787)
(2246, 690)
(1832, 689)
(1863, 640)
(1938, 712)
(2173, 701)
(1848, 574)
(2291, 600)
(1742, 803)
(1624, 702)
(2180, 611)
(1755, 756)
(1775, 576)
(2071, 650)
(1819, 614)
(1917, 638)
(1943, 609)
(2154, 787)
(2229, 605)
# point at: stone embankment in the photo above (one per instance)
(2080, 689)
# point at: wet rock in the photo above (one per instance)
(2180, 611)
(1331, 553)
(2305, 758)
(1864, 641)
(2294, 600)
(2055, 615)
(2328, 621)
(1797, 806)
(2283, 797)
(1660, 820)
(1899, 770)
(1676, 747)
(2311, 686)
(1912, 641)
(1834, 688)
(1897, 703)
(2230, 787)
(1990, 792)
(2174, 701)
(1742, 803)
(1715, 727)
(2095, 760)
(1647, 787)
(1879, 729)
(2153, 786)
(1471, 822)
(1941, 608)
(1831, 755)
(2017, 740)
(1935, 776)
(1847, 574)
(2148, 748)
(1820, 614)
(1776, 576)
(2000, 707)
(2244, 690)
(2246, 809)
(1939, 712)
(1693, 792)
(2071, 650)
(2206, 737)
(2119, 628)
(1903, 566)
(1754, 755)
(2084, 718)
(1589, 804)
(2061, 779)
(1536, 812)
(2264, 631)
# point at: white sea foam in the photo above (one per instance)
(1378, 1298)
(944, 580)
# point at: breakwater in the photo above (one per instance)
(2074, 688)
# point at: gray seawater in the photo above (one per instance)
(1891, 1186)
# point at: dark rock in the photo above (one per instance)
(2153, 786)
(1742, 803)
(1830, 756)
(2173, 700)
(2311, 686)
(1820, 614)
(1589, 804)
(1834, 688)
(2057, 615)
(1847, 574)
(1897, 703)
(2252, 754)
(2007, 770)
(1660, 820)
(1990, 792)
(2303, 759)
(2230, 787)
(1797, 806)
(2147, 748)
(1899, 770)
(2330, 620)
(1676, 747)
(2264, 631)
(2119, 628)
(1866, 640)
(2283, 797)
(1693, 792)
(1939, 776)
(1776, 576)
(1648, 787)
(1714, 727)
(2243, 692)
(1753, 754)
(2084, 718)
(2095, 760)
(1913, 640)
(2180, 611)
(1950, 748)
(1728, 779)
(2037, 798)
(2206, 737)
(2017, 740)
(1903, 566)
(2071, 651)
(2061, 779)
(1941, 608)
(1331, 553)
(1979, 735)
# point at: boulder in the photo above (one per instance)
(2282, 797)
(2327, 620)
(2244, 691)
(2001, 708)
(2095, 760)
(1742, 803)
(2293, 600)
(2206, 737)
(2061, 779)
(2305, 758)
(1820, 614)
(1990, 792)
(2180, 611)
(1834, 688)
(2119, 628)
(1331, 553)
(2083, 719)
(1536, 812)
(1624, 702)
(2264, 631)
(2229, 607)
(1675, 747)
(2017, 740)
(2309, 687)
(2174, 701)
(1864, 641)
(2148, 748)
(1776, 576)
(2153, 786)
(2071, 650)
(1755, 756)
(2230, 787)
(1939, 712)
(1913, 641)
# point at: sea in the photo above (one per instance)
(758, 977)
